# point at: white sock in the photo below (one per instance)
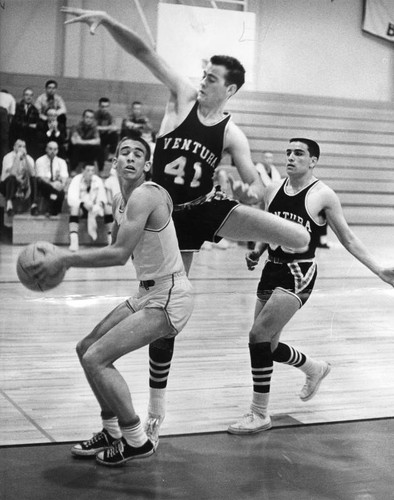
(310, 366)
(260, 403)
(112, 426)
(134, 435)
(157, 402)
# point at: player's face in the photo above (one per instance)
(298, 159)
(213, 88)
(131, 163)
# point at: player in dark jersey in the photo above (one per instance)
(193, 135)
(288, 277)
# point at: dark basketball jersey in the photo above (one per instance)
(185, 158)
(293, 207)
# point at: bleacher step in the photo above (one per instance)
(28, 229)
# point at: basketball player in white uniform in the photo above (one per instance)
(288, 277)
(144, 230)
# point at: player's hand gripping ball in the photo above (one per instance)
(33, 254)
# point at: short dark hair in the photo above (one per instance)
(136, 102)
(103, 99)
(235, 70)
(137, 139)
(313, 146)
(50, 82)
(87, 111)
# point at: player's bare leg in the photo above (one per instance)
(249, 224)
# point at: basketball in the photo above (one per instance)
(36, 252)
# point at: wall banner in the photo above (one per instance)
(378, 18)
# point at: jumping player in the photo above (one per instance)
(288, 277)
(194, 133)
(143, 229)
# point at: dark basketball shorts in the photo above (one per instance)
(196, 223)
(296, 278)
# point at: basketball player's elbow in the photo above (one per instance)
(120, 255)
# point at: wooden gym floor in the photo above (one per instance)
(348, 320)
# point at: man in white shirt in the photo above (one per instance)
(86, 197)
(52, 177)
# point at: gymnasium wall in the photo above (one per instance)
(308, 47)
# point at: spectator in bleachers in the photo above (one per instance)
(136, 123)
(18, 178)
(112, 188)
(52, 178)
(107, 129)
(51, 99)
(7, 111)
(85, 141)
(24, 122)
(267, 170)
(51, 130)
(7, 101)
(86, 197)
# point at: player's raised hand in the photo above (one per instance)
(93, 18)
(243, 191)
(252, 259)
(387, 275)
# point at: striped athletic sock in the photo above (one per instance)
(262, 367)
(286, 354)
(159, 370)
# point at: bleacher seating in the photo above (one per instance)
(356, 137)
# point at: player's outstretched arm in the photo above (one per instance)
(336, 220)
(134, 45)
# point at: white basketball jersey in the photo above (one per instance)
(157, 253)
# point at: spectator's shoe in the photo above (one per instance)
(152, 428)
(251, 423)
(34, 209)
(121, 452)
(313, 381)
(99, 442)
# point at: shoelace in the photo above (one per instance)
(96, 437)
(249, 416)
(117, 447)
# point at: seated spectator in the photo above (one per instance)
(50, 130)
(86, 197)
(112, 188)
(84, 141)
(267, 170)
(18, 178)
(52, 178)
(51, 99)
(7, 111)
(136, 123)
(150, 138)
(107, 129)
(7, 101)
(24, 122)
